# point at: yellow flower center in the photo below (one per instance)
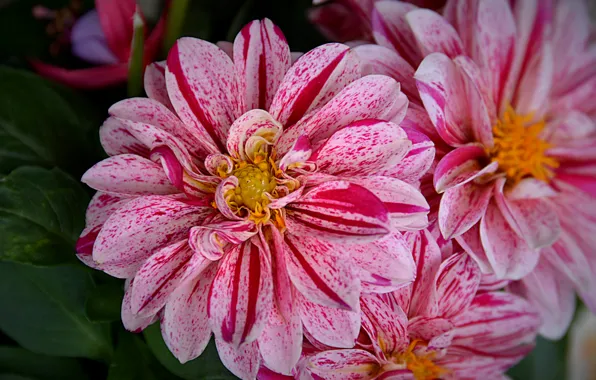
(253, 182)
(519, 150)
(422, 366)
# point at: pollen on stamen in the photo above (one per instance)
(519, 148)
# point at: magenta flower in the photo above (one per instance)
(515, 134)
(103, 38)
(254, 198)
(441, 326)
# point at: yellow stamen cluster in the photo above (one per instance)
(519, 150)
(422, 366)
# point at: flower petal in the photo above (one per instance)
(139, 228)
(116, 22)
(443, 94)
(370, 97)
(243, 361)
(320, 275)
(255, 122)
(457, 283)
(133, 322)
(338, 210)
(361, 148)
(385, 265)
(551, 294)
(155, 83)
(391, 29)
(299, 153)
(351, 364)
(240, 300)
(510, 257)
(184, 325)
(116, 139)
(330, 326)
(461, 166)
(261, 57)
(205, 98)
(462, 206)
(310, 83)
(128, 174)
(209, 239)
(471, 243)
(387, 327)
(433, 33)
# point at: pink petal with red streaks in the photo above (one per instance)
(299, 153)
(433, 33)
(243, 361)
(457, 282)
(509, 255)
(315, 78)
(387, 327)
(155, 83)
(139, 228)
(339, 210)
(361, 148)
(496, 322)
(240, 300)
(116, 139)
(390, 29)
(551, 294)
(261, 57)
(224, 186)
(320, 275)
(116, 19)
(209, 240)
(330, 326)
(133, 322)
(351, 364)
(471, 243)
(463, 206)
(202, 87)
(128, 174)
(252, 124)
(443, 93)
(370, 97)
(184, 326)
(460, 166)
(385, 265)
(158, 278)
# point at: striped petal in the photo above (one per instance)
(370, 97)
(339, 210)
(330, 326)
(155, 83)
(139, 228)
(261, 57)
(457, 282)
(427, 256)
(443, 94)
(128, 174)
(319, 274)
(206, 98)
(253, 124)
(243, 361)
(351, 364)
(209, 240)
(385, 265)
(387, 327)
(461, 166)
(158, 278)
(463, 206)
(133, 322)
(509, 255)
(315, 78)
(240, 300)
(184, 325)
(391, 29)
(433, 33)
(361, 148)
(116, 139)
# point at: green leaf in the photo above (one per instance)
(43, 310)
(177, 12)
(134, 361)
(41, 216)
(38, 127)
(104, 303)
(205, 367)
(18, 361)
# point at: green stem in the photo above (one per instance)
(176, 16)
(136, 62)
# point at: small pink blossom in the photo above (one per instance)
(438, 327)
(255, 199)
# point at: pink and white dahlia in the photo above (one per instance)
(438, 327)
(516, 160)
(253, 198)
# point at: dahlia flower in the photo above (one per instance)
(439, 327)
(103, 38)
(253, 198)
